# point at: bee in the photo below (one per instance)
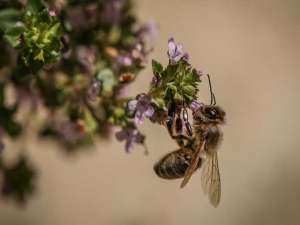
(198, 150)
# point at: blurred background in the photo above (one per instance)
(252, 51)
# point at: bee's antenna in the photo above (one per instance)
(212, 95)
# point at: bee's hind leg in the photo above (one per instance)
(172, 123)
(179, 138)
(187, 123)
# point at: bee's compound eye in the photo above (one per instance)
(213, 114)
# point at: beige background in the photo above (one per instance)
(252, 50)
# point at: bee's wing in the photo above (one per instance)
(211, 182)
(193, 166)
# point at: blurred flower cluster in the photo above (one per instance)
(63, 69)
(63, 66)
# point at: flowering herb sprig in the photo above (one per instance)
(72, 60)
(177, 83)
(36, 36)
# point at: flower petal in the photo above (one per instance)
(195, 105)
(171, 48)
(121, 135)
(132, 105)
(139, 118)
(150, 111)
(175, 51)
(139, 138)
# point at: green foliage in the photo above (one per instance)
(40, 43)
(176, 83)
(36, 34)
(35, 6)
(8, 18)
(157, 68)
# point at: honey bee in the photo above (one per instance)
(196, 151)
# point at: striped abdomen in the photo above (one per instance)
(174, 164)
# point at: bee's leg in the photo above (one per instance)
(180, 138)
(170, 118)
(187, 123)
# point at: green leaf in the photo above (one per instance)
(159, 102)
(172, 87)
(13, 35)
(8, 18)
(35, 5)
(157, 68)
(189, 90)
(169, 93)
(52, 32)
(40, 56)
(119, 112)
(178, 97)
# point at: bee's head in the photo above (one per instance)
(210, 114)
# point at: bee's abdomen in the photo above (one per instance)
(173, 165)
(168, 171)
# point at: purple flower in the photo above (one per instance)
(142, 108)
(196, 105)
(149, 29)
(174, 51)
(52, 13)
(125, 60)
(131, 136)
